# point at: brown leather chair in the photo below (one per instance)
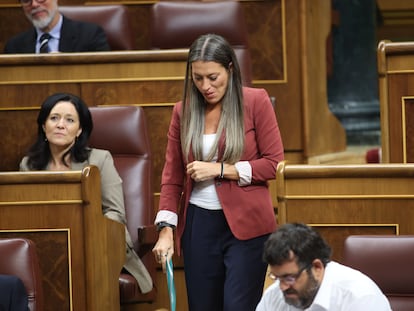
(113, 19)
(388, 260)
(18, 257)
(122, 130)
(176, 24)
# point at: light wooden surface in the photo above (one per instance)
(291, 66)
(340, 200)
(289, 61)
(396, 87)
(81, 252)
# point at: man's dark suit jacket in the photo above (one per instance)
(75, 36)
(13, 295)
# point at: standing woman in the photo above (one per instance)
(223, 146)
(64, 126)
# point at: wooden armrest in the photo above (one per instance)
(147, 235)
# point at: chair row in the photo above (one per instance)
(387, 259)
(173, 25)
(122, 131)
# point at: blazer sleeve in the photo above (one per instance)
(264, 147)
(173, 174)
(111, 185)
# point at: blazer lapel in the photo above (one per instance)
(68, 37)
(29, 41)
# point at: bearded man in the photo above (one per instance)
(53, 32)
(307, 279)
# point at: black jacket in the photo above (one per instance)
(13, 295)
(75, 36)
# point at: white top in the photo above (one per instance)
(204, 193)
(54, 37)
(342, 289)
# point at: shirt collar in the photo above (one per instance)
(323, 297)
(55, 32)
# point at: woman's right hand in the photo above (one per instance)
(164, 248)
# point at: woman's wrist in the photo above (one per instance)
(162, 224)
(221, 175)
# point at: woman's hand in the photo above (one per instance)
(164, 248)
(200, 171)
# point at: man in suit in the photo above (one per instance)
(13, 295)
(62, 34)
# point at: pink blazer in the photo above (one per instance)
(248, 209)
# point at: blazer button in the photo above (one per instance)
(218, 183)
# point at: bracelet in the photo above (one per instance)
(221, 176)
(163, 224)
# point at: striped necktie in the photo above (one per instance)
(44, 40)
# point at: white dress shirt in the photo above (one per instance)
(342, 289)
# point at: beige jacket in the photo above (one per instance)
(113, 208)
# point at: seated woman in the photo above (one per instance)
(64, 126)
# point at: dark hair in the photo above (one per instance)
(213, 48)
(305, 243)
(39, 153)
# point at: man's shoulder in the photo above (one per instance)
(99, 154)
(30, 33)
(344, 286)
(81, 36)
(252, 95)
(347, 279)
(253, 91)
(21, 41)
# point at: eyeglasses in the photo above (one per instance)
(289, 279)
(29, 2)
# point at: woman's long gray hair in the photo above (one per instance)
(213, 48)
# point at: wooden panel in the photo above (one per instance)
(61, 212)
(151, 79)
(396, 20)
(288, 48)
(347, 199)
(54, 263)
(334, 234)
(393, 5)
(396, 86)
(408, 129)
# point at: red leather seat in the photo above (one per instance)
(113, 19)
(176, 24)
(122, 130)
(18, 257)
(388, 260)
(373, 155)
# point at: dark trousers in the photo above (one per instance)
(222, 273)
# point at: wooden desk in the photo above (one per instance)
(396, 86)
(152, 79)
(81, 252)
(340, 200)
(288, 46)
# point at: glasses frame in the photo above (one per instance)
(289, 279)
(29, 2)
